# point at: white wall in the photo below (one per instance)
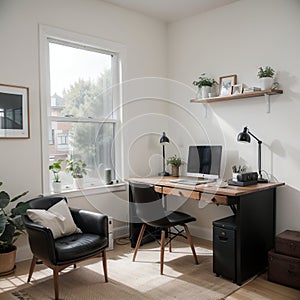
(237, 39)
(145, 42)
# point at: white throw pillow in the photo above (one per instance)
(57, 218)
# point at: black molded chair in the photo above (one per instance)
(149, 209)
(62, 252)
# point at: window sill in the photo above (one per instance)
(96, 190)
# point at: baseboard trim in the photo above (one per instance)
(122, 231)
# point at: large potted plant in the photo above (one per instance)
(204, 85)
(77, 168)
(55, 168)
(175, 163)
(266, 77)
(11, 226)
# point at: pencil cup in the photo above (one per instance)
(234, 176)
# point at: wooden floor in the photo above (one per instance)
(256, 289)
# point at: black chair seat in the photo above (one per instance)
(171, 218)
(75, 246)
(179, 218)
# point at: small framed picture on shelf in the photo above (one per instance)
(226, 83)
(237, 89)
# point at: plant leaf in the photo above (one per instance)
(19, 196)
(4, 199)
(2, 223)
(20, 209)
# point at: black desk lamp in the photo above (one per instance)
(245, 137)
(164, 141)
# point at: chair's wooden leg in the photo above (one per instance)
(188, 235)
(104, 265)
(55, 279)
(33, 262)
(169, 235)
(138, 243)
(74, 266)
(162, 251)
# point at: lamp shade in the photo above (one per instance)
(164, 139)
(244, 136)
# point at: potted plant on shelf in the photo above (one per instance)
(11, 226)
(204, 85)
(77, 168)
(175, 162)
(266, 77)
(56, 168)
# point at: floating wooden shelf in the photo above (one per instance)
(238, 96)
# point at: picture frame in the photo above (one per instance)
(237, 89)
(226, 83)
(14, 112)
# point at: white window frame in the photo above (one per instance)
(46, 34)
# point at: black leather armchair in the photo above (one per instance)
(62, 252)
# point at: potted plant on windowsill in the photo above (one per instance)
(11, 226)
(77, 168)
(204, 85)
(175, 162)
(266, 77)
(56, 168)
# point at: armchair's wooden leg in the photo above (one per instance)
(169, 235)
(33, 262)
(104, 265)
(188, 235)
(55, 279)
(162, 251)
(138, 243)
(74, 266)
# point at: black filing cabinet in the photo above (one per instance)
(224, 248)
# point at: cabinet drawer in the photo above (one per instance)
(216, 199)
(222, 200)
(181, 193)
(158, 189)
(210, 198)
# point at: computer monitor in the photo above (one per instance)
(204, 161)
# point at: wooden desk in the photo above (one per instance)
(254, 208)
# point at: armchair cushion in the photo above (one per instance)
(57, 218)
(77, 246)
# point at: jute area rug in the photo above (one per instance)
(141, 279)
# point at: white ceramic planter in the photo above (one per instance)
(205, 90)
(266, 83)
(56, 186)
(78, 183)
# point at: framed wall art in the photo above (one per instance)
(14, 111)
(226, 83)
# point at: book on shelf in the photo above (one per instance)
(251, 89)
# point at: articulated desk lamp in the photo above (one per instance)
(245, 137)
(164, 141)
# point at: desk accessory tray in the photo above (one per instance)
(241, 183)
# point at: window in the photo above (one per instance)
(81, 115)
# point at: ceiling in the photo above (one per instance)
(170, 10)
